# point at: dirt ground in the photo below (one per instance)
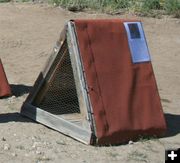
(28, 33)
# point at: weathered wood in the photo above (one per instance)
(84, 100)
(56, 123)
(55, 52)
(77, 125)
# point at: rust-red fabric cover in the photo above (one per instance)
(124, 95)
(4, 86)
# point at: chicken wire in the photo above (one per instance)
(59, 94)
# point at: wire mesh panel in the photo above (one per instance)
(58, 95)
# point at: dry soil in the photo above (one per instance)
(28, 33)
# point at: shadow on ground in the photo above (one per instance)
(173, 124)
(173, 121)
(13, 117)
(20, 89)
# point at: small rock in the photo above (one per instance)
(45, 143)
(3, 139)
(131, 142)
(7, 147)
(35, 144)
(38, 152)
(14, 154)
(26, 155)
(33, 138)
(45, 158)
(11, 99)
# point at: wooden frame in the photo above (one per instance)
(79, 126)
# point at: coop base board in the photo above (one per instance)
(57, 123)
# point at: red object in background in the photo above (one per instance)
(124, 95)
(4, 85)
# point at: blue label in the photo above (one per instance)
(137, 42)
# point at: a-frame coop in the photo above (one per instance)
(98, 85)
(5, 89)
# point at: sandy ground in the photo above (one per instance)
(28, 33)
